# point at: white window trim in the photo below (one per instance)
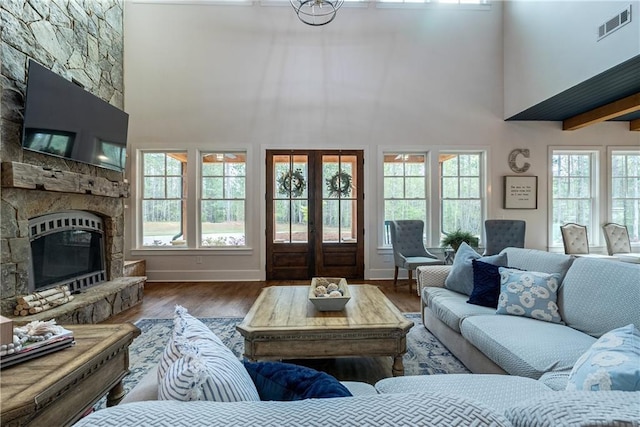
(484, 192)
(617, 149)
(427, 190)
(382, 247)
(598, 209)
(432, 227)
(193, 175)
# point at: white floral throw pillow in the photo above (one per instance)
(529, 293)
(612, 363)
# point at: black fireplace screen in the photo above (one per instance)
(67, 248)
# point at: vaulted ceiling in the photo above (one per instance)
(612, 95)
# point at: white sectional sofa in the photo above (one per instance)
(594, 297)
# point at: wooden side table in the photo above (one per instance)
(58, 388)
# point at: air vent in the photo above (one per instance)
(615, 23)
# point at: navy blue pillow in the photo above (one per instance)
(486, 284)
(286, 381)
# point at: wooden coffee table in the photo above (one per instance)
(284, 324)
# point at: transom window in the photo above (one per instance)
(573, 192)
(625, 191)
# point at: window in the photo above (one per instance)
(163, 198)
(405, 184)
(461, 190)
(573, 192)
(339, 198)
(625, 191)
(222, 199)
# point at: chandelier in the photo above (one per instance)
(316, 12)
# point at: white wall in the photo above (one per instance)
(255, 78)
(550, 46)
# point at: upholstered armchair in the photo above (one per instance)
(408, 248)
(503, 233)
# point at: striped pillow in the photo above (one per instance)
(196, 365)
(189, 328)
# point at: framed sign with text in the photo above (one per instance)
(521, 192)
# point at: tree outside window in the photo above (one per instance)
(461, 195)
(625, 191)
(573, 193)
(405, 187)
(163, 198)
(222, 199)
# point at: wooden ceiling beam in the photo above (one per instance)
(617, 108)
(634, 125)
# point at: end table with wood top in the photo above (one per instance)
(58, 388)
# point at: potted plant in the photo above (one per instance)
(455, 239)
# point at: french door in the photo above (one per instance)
(315, 214)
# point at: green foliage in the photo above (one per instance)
(455, 239)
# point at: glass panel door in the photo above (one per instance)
(291, 198)
(314, 214)
(339, 199)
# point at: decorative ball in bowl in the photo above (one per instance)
(329, 293)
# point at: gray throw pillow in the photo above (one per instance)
(460, 278)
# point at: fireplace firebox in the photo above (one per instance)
(67, 248)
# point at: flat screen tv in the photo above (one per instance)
(62, 119)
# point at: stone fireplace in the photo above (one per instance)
(32, 193)
(81, 41)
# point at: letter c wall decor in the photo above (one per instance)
(513, 157)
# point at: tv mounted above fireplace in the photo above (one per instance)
(64, 120)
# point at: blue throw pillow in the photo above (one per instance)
(460, 278)
(286, 381)
(486, 284)
(612, 363)
(529, 293)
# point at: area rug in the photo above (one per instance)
(425, 354)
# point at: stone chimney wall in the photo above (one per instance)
(76, 39)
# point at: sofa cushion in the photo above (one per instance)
(403, 409)
(460, 278)
(486, 284)
(429, 294)
(286, 381)
(524, 346)
(600, 295)
(612, 363)
(556, 380)
(202, 363)
(529, 293)
(537, 260)
(577, 409)
(497, 391)
(451, 308)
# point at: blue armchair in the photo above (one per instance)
(408, 248)
(503, 233)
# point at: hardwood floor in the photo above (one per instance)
(233, 299)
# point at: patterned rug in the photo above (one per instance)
(425, 354)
